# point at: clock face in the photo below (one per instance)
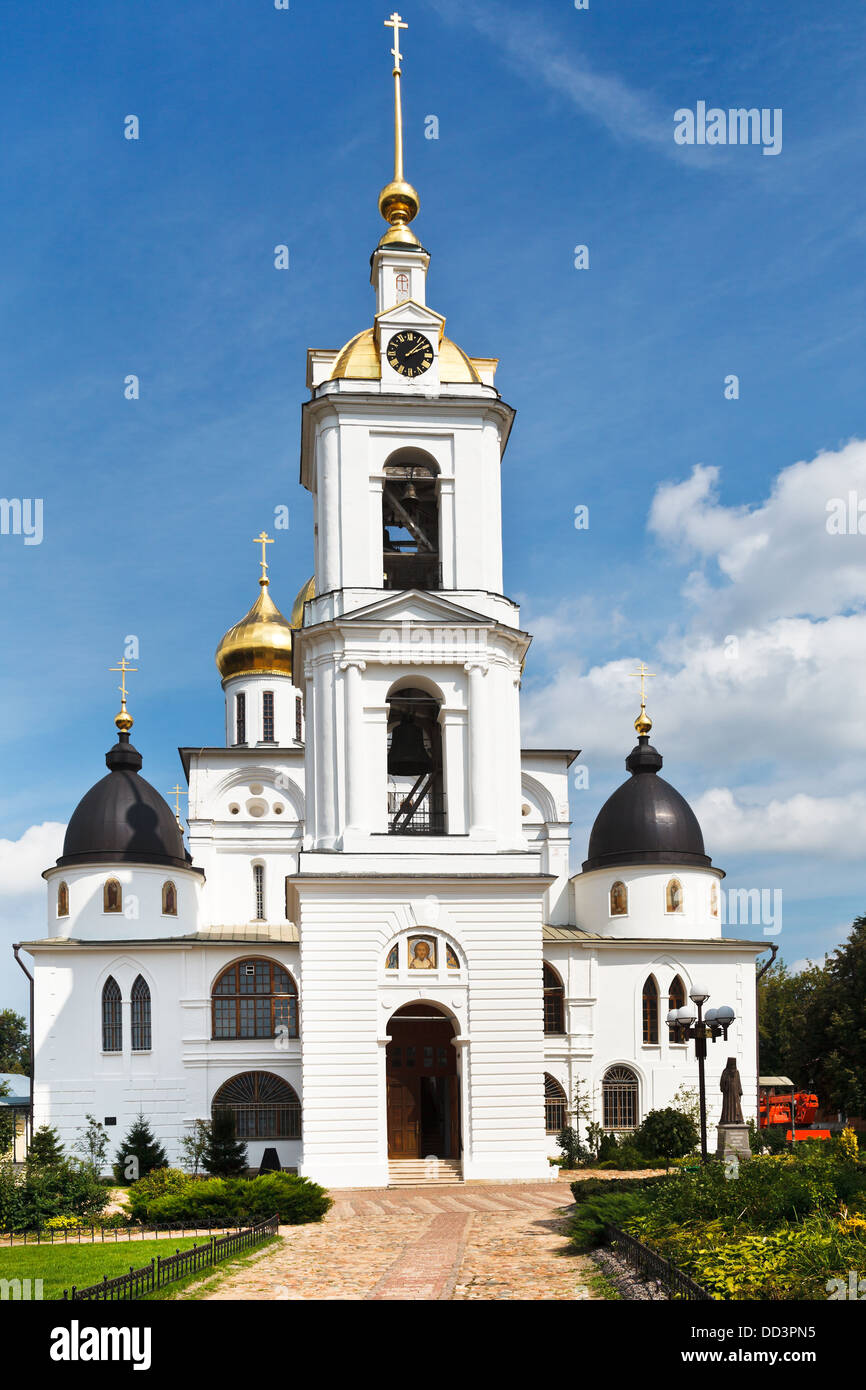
(410, 353)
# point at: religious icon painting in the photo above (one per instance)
(451, 958)
(393, 961)
(618, 899)
(422, 953)
(714, 899)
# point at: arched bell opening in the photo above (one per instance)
(416, 802)
(423, 1084)
(410, 522)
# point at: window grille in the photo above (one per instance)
(619, 1100)
(141, 1033)
(267, 716)
(259, 884)
(554, 1001)
(240, 719)
(555, 1105)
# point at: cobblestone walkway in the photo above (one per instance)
(498, 1242)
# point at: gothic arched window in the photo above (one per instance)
(410, 522)
(555, 1105)
(618, 899)
(264, 1106)
(554, 1001)
(674, 896)
(676, 1000)
(112, 896)
(169, 899)
(141, 1033)
(255, 999)
(619, 1099)
(63, 900)
(112, 1025)
(650, 1011)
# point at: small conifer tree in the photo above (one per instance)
(225, 1155)
(139, 1153)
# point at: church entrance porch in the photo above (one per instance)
(423, 1085)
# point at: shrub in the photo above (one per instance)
(611, 1208)
(668, 1133)
(608, 1147)
(158, 1183)
(242, 1201)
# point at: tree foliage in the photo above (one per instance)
(14, 1043)
(813, 1025)
(225, 1155)
(139, 1153)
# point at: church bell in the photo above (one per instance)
(408, 754)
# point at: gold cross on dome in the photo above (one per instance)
(178, 793)
(645, 675)
(396, 23)
(263, 540)
(124, 670)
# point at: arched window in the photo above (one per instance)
(112, 896)
(555, 1105)
(674, 896)
(618, 899)
(554, 1001)
(676, 1000)
(259, 891)
(264, 1106)
(255, 999)
(619, 1099)
(63, 900)
(410, 522)
(169, 899)
(416, 802)
(650, 1011)
(112, 1025)
(140, 997)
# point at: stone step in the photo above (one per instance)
(417, 1172)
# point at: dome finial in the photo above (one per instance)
(123, 719)
(643, 723)
(263, 540)
(398, 201)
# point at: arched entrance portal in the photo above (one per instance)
(423, 1085)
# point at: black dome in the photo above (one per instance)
(123, 819)
(646, 821)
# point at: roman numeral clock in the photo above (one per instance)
(410, 353)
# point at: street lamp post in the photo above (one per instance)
(691, 1023)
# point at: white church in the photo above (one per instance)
(374, 950)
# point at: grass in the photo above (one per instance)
(203, 1285)
(61, 1266)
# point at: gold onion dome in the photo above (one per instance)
(305, 593)
(261, 641)
(360, 360)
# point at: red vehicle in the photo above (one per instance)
(775, 1106)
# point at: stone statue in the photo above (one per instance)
(731, 1088)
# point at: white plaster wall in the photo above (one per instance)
(141, 887)
(647, 915)
(285, 695)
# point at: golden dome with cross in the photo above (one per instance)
(262, 641)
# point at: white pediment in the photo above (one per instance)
(409, 314)
(419, 606)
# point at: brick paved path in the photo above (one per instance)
(489, 1242)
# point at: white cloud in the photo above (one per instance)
(775, 559)
(22, 861)
(829, 826)
(762, 682)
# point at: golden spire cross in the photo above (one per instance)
(263, 540)
(645, 675)
(124, 670)
(178, 793)
(396, 23)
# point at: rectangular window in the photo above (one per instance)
(299, 727)
(267, 716)
(259, 883)
(240, 719)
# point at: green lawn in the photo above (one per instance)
(61, 1266)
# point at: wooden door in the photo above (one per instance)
(423, 1087)
(404, 1119)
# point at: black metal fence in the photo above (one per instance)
(140, 1282)
(93, 1234)
(654, 1268)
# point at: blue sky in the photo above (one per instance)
(260, 127)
